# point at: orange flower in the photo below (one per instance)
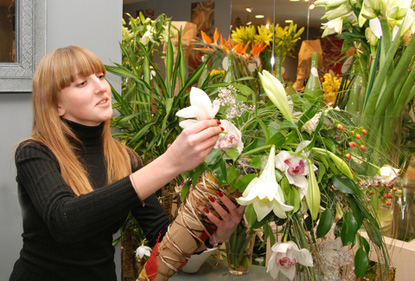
(257, 48)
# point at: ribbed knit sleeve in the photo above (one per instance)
(70, 218)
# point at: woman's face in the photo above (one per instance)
(86, 101)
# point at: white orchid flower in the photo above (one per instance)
(295, 169)
(265, 193)
(143, 251)
(388, 174)
(200, 107)
(284, 258)
(231, 139)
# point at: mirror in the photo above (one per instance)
(7, 31)
(22, 44)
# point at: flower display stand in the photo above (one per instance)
(402, 255)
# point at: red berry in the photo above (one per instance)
(352, 144)
(362, 147)
(371, 192)
(377, 185)
(389, 196)
(358, 136)
(348, 156)
(340, 127)
(394, 189)
(388, 203)
(364, 132)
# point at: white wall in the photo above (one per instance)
(94, 24)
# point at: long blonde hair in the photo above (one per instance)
(55, 72)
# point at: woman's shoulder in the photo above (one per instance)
(30, 147)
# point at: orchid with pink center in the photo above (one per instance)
(265, 193)
(284, 258)
(294, 167)
(231, 138)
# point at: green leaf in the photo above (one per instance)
(349, 229)
(293, 198)
(277, 139)
(184, 192)
(325, 224)
(232, 174)
(243, 182)
(219, 171)
(344, 184)
(356, 211)
(232, 153)
(251, 217)
(363, 243)
(287, 124)
(213, 157)
(361, 262)
(269, 233)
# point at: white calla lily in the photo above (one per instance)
(231, 139)
(284, 258)
(200, 107)
(265, 193)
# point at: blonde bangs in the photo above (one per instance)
(72, 61)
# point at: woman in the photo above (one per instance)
(76, 184)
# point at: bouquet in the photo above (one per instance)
(289, 163)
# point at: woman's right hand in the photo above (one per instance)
(188, 150)
(193, 145)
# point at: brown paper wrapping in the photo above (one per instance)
(304, 61)
(185, 235)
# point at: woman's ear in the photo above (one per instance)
(61, 110)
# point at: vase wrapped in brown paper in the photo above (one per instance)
(186, 234)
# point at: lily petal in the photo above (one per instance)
(265, 193)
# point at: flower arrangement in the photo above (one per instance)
(298, 179)
(381, 32)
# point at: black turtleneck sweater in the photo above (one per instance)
(68, 237)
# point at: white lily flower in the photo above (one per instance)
(333, 26)
(284, 258)
(311, 125)
(376, 27)
(295, 169)
(200, 107)
(148, 36)
(408, 23)
(265, 193)
(388, 174)
(231, 139)
(143, 251)
(276, 93)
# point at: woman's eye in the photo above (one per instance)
(83, 83)
(101, 76)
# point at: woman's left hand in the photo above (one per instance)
(227, 221)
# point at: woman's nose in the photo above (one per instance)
(100, 85)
